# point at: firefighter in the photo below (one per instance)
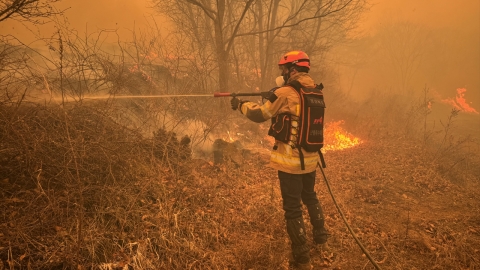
(296, 185)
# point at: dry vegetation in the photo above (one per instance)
(81, 191)
(115, 184)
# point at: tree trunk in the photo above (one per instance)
(222, 54)
(261, 42)
(268, 63)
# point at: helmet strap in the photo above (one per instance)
(286, 76)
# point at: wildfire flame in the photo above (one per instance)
(136, 68)
(459, 102)
(336, 138)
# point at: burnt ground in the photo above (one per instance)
(411, 208)
(413, 205)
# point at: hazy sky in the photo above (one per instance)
(433, 13)
(458, 17)
(123, 14)
(93, 15)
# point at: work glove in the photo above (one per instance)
(236, 103)
(273, 89)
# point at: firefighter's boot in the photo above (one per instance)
(298, 238)
(317, 219)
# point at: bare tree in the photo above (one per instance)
(27, 10)
(312, 26)
(401, 48)
(224, 19)
(225, 28)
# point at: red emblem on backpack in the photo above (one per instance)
(318, 121)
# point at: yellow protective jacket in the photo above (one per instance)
(283, 157)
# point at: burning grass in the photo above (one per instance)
(337, 138)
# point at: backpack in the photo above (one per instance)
(310, 122)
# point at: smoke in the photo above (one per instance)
(447, 58)
(198, 131)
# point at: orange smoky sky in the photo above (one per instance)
(457, 21)
(431, 13)
(91, 16)
(106, 13)
(124, 14)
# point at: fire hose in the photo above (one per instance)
(365, 251)
(265, 95)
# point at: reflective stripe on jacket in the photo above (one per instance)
(284, 157)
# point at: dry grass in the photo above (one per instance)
(80, 191)
(87, 186)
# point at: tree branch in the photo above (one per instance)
(210, 13)
(297, 23)
(29, 10)
(232, 38)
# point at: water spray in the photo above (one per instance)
(149, 96)
(264, 95)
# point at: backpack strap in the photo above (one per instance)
(295, 84)
(302, 159)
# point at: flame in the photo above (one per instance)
(150, 56)
(459, 102)
(337, 138)
(230, 139)
(136, 68)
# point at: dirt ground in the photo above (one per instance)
(412, 207)
(407, 207)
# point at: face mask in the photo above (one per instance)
(280, 81)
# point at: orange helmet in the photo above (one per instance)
(297, 58)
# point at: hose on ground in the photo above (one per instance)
(365, 251)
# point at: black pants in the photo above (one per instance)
(296, 188)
